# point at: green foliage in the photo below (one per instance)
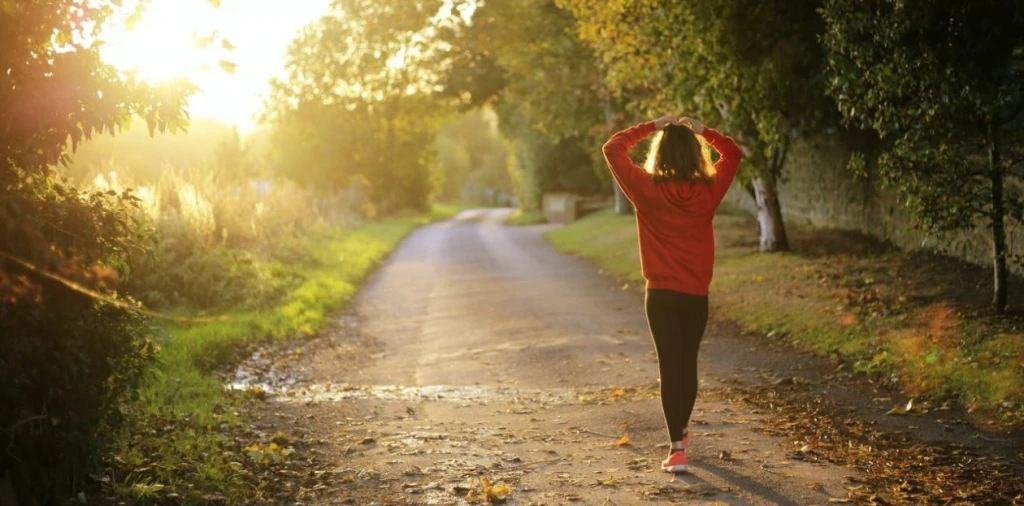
(215, 277)
(471, 159)
(200, 452)
(941, 83)
(541, 164)
(357, 106)
(551, 102)
(69, 366)
(69, 360)
(211, 230)
(929, 78)
(553, 80)
(752, 68)
(74, 351)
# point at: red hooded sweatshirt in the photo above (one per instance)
(677, 242)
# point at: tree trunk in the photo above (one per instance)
(769, 215)
(622, 204)
(1000, 275)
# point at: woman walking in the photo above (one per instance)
(675, 199)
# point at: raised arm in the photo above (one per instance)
(729, 156)
(631, 178)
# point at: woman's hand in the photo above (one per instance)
(694, 125)
(665, 121)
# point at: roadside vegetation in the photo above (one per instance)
(918, 321)
(204, 451)
(522, 217)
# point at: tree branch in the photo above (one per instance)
(28, 420)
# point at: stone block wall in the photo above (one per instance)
(819, 190)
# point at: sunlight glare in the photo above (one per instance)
(163, 46)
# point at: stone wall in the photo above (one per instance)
(819, 190)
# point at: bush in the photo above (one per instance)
(212, 277)
(215, 234)
(70, 359)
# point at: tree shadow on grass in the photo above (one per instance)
(917, 279)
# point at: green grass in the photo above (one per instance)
(848, 303)
(521, 218)
(182, 434)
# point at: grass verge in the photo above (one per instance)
(522, 218)
(920, 320)
(185, 440)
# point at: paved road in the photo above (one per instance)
(477, 351)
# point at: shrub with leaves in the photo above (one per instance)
(940, 82)
(73, 351)
(215, 234)
(72, 348)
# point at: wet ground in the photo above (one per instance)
(479, 364)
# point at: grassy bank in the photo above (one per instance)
(919, 319)
(187, 441)
(522, 218)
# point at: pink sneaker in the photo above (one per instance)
(676, 461)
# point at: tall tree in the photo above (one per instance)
(551, 89)
(752, 67)
(942, 82)
(357, 102)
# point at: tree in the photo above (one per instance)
(942, 82)
(357, 103)
(73, 351)
(553, 104)
(472, 158)
(752, 67)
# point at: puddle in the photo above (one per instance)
(260, 371)
(289, 391)
(278, 373)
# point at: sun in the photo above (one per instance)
(163, 45)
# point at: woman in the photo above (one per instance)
(675, 200)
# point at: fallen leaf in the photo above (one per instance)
(623, 441)
(492, 493)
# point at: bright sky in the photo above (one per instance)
(162, 46)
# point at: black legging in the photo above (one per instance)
(677, 322)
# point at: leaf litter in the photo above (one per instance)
(898, 469)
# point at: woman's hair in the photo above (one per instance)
(677, 154)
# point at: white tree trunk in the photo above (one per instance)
(769, 216)
(622, 204)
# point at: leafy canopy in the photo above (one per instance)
(359, 104)
(931, 78)
(748, 66)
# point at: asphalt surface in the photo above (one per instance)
(478, 351)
